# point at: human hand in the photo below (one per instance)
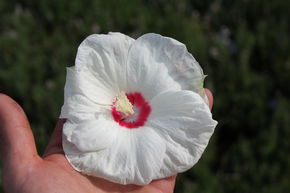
(24, 171)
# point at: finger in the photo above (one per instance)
(165, 185)
(17, 145)
(210, 97)
(55, 143)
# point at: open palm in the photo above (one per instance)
(24, 171)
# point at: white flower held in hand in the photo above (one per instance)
(136, 109)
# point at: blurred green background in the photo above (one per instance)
(242, 45)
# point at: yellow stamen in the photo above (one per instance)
(123, 104)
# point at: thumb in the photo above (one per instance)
(210, 97)
(17, 146)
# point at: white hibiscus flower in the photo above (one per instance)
(135, 109)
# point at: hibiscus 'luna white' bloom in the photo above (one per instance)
(136, 109)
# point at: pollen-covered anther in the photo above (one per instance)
(123, 104)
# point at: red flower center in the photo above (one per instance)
(141, 112)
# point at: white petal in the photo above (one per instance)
(185, 122)
(84, 96)
(105, 56)
(94, 135)
(85, 83)
(135, 157)
(152, 57)
(78, 108)
(67, 130)
(150, 151)
(146, 72)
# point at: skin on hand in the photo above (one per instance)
(24, 171)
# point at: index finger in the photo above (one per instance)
(55, 144)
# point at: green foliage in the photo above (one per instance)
(242, 45)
